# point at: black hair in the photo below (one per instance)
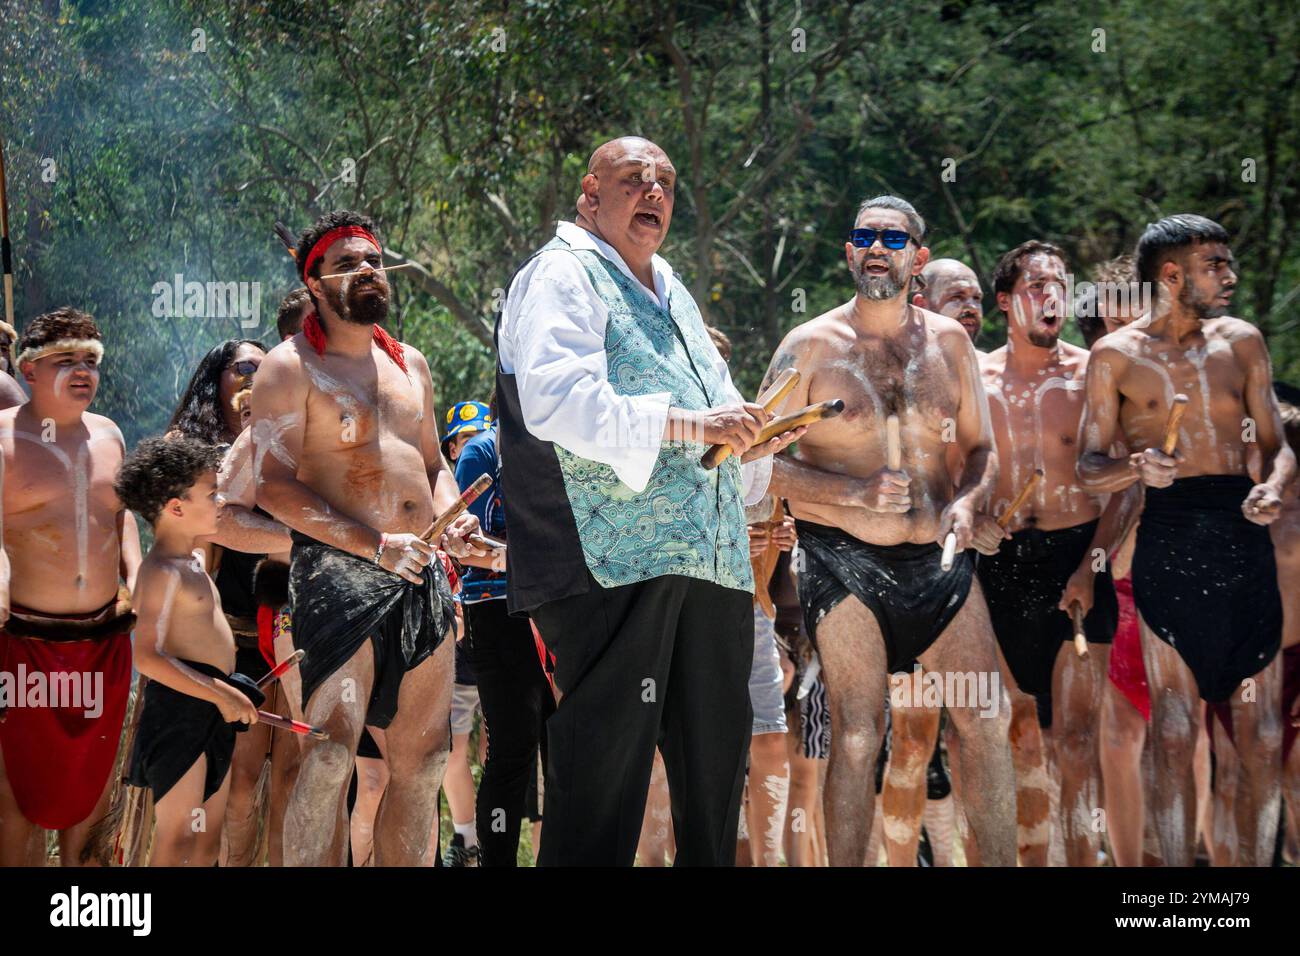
(288, 318)
(1008, 269)
(1087, 317)
(1162, 239)
(55, 326)
(160, 469)
(199, 413)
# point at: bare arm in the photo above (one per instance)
(11, 393)
(1277, 461)
(442, 480)
(278, 426)
(1098, 472)
(239, 527)
(792, 478)
(974, 433)
(128, 533)
(158, 588)
(4, 555)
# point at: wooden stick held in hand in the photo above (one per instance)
(1080, 638)
(1005, 520)
(949, 551)
(282, 668)
(805, 416)
(1171, 426)
(435, 530)
(293, 726)
(893, 444)
(770, 399)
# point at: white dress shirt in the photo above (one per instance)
(552, 339)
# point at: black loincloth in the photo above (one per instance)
(1023, 583)
(912, 597)
(175, 730)
(340, 600)
(1205, 582)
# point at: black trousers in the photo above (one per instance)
(664, 663)
(516, 699)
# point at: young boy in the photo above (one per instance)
(183, 644)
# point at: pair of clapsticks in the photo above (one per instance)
(466, 498)
(770, 399)
(255, 691)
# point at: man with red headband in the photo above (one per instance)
(345, 440)
(65, 650)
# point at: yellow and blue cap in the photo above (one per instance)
(468, 418)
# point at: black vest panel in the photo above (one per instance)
(544, 559)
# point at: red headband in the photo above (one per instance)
(317, 251)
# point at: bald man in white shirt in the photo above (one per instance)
(630, 556)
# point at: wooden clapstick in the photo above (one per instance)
(1171, 426)
(482, 484)
(765, 563)
(1004, 521)
(293, 726)
(486, 543)
(1080, 638)
(280, 669)
(805, 416)
(893, 444)
(949, 551)
(770, 399)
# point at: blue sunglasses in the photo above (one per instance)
(889, 238)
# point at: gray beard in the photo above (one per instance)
(879, 288)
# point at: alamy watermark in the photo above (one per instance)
(61, 690)
(209, 300)
(976, 690)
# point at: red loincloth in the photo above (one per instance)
(58, 760)
(1290, 691)
(1126, 670)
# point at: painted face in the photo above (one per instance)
(1035, 306)
(960, 298)
(202, 503)
(65, 377)
(361, 296)
(635, 196)
(1209, 280)
(880, 273)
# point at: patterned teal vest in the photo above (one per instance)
(688, 520)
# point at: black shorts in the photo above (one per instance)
(1023, 583)
(176, 730)
(1205, 581)
(911, 596)
(340, 600)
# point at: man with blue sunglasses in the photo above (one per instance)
(876, 597)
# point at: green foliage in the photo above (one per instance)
(463, 128)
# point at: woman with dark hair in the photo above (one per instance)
(207, 410)
(214, 409)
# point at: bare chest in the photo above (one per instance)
(349, 412)
(74, 479)
(882, 379)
